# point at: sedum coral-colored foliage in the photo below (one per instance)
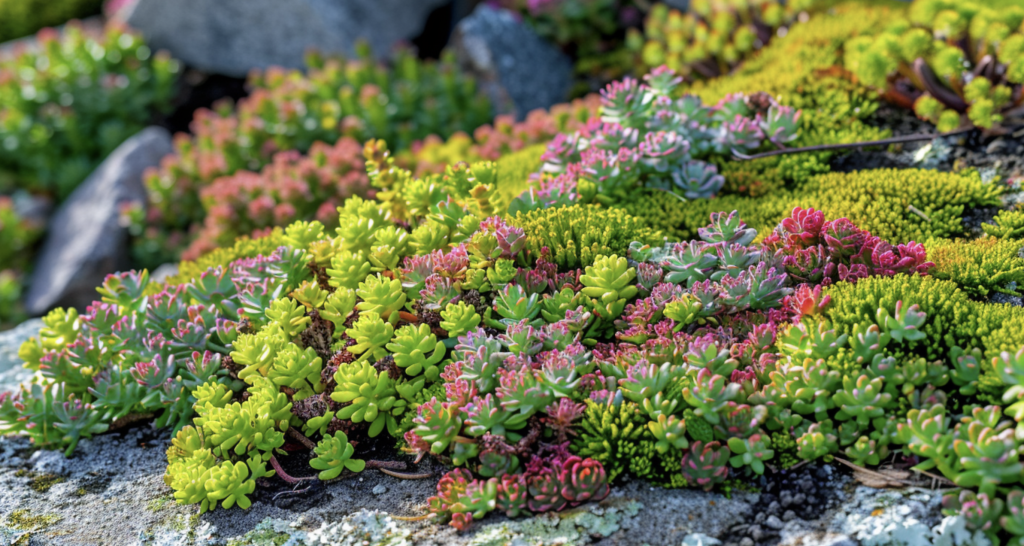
(290, 110)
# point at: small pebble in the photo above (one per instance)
(756, 532)
(773, 522)
(747, 541)
(997, 146)
(380, 490)
(789, 515)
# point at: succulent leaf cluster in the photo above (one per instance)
(87, 93)
(713, 36)
(646, 137)
(343, 101)
(140, 349)
(544, 353)
(955, 63)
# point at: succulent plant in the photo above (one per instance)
(333, 455)
(609, 284)
(371, 395)
(459, 318)
(980, 510)
(709, 395)
(752, 452)
(704, 465)
(861, 399)
(410, 346)
(988, 457)
(438, 424)
(372, 334)
(818, 441)
(955, 63)
(670, 432)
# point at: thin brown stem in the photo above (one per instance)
(300, 437)
(284, 475)
(122, 422)
(828, 147)
(394, 465)
(411, 518)
(403, 476)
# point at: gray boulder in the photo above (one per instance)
(85, 241)
(518, 70)
(12, 373)
(234, 36)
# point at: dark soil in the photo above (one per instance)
(807, 493)
(199, 90)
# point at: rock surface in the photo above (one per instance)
(11, 371)
(518, 70)
(85, 241)
(111, 492)
(233, 37)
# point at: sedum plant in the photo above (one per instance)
(73, 100)
(322, 114)
(713, 36)
(682, 362)
(955, 63)
(646, 137)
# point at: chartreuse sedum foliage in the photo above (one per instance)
(575, 235)
(68, 103)
(964, 61)
(713, 36)
(542, 373)
(798, 70)
(980, 266)
(897, 205)
(1007, 224)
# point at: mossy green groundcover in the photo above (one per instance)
(630, 300)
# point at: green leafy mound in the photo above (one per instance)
(981, 266)
(545, 353)
(897, 205)
(575, 235)
(20, 18)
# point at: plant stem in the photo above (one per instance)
(301, 438)
(825, 147)
(403, 476)
(284, 475)
(393, 465)
(121, 422)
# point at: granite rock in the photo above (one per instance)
(233, 37)
(86, 240)
(516, 67)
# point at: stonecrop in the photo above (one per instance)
(542, 353)
(291, 110)
(712, 36)
(72, 100)
(956, 63)
(646, 138)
